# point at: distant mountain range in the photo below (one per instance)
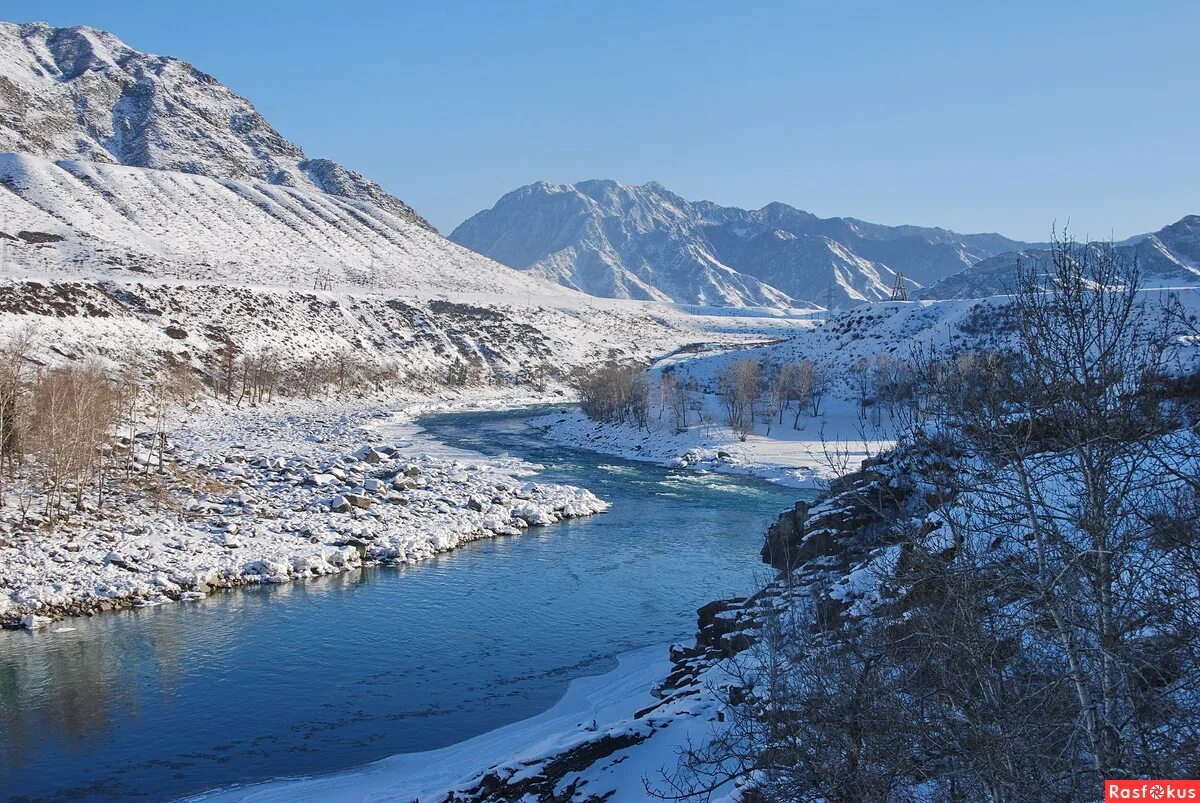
(1169, 257)
(120, 160)
(627, 241)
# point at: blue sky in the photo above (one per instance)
(1002, 118)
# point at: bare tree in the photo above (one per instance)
(738, 387)
(616, 393)
(14, 376)
(820, 383)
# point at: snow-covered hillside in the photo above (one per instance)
(83, 94)
(611, 240)
(804, 449)
(111, 221)
(625, 241)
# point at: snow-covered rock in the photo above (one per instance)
(277, 529)
(32, 621)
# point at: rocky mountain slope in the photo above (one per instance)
(625, 241)
(83, 94)
(611, 240)
(141, 199)
(1169, 257)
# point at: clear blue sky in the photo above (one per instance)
(999, 118)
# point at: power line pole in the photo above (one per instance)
(829, 300)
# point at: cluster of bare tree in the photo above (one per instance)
(801, 386)
(257, 376)
(61, 427)
(751, 392)
(740, 387)
(680, 395)
(1044, 633)
(616, 393)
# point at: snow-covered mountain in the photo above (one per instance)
(1169, 257)
(125, 164)
(103, 220)
(613, 240)
(148, 212)
(626, 241)
(83, 94)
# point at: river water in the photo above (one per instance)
(323, 675)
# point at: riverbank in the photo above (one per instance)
(591, 706)
(618, 736)
(323, 676)
(271, 495)
(611, 737)
(823, 448)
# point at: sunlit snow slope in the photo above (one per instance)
(116, 220)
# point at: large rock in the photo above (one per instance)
(358, 500)
(782, 548)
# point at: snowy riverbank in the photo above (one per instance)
(600, 739)
(803, 458)
(270, 496)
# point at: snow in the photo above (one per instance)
(82, 93)
(843, 435)
(118, 219)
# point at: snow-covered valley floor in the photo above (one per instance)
(269, 496)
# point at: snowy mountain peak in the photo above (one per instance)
(644, 241)
(83, 94)
(612, 239)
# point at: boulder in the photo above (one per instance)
(782, 548)
(358, 500)
(228, 540)
(31, 621)
(367, 454)
(115, 559)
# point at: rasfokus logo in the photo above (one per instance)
(1151, 790)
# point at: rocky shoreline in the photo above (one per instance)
(236, 514)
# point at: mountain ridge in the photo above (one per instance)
(83, 94)
(1167, 257)
(624, 240)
